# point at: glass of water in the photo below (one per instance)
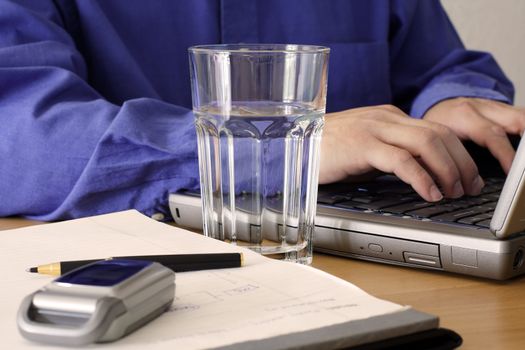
(259, 115)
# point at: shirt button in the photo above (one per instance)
(158, 216)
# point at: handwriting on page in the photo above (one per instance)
(232, 303)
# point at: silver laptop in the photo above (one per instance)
(386, 221)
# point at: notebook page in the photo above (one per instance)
(263, 299)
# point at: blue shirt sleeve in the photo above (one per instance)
(430, 64)
(65, 151)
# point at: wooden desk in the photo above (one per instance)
(487, 314)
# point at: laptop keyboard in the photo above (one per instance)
(395, 198)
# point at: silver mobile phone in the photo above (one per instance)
(99, 302)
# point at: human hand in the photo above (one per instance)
(359, 140)
(485, 122)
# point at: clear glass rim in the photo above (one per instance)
(259, 48)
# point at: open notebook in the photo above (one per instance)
(266, 304)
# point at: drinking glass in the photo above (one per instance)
(259, 112)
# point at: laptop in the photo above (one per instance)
(385, 221)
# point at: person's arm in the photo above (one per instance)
(429, 63)
(436, 78)
(429, 66)
(65, 151)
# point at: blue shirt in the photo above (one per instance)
(95, 95)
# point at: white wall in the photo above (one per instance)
(497, 26)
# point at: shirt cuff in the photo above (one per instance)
(444, 91)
